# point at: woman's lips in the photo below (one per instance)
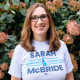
(41, 26)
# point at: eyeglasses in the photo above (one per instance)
(43, 17)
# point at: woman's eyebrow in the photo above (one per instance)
(39, 15)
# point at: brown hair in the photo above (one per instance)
(27, 35)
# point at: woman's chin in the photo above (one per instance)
(41, 33)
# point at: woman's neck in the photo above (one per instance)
(39, 38)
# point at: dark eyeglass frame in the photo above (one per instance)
(43, 17)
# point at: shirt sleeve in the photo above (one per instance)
(67, 59)
(15, 66)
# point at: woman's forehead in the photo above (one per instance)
(38, 11)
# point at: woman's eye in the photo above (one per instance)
(34, 17)
(43, 16)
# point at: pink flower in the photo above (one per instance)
(3, 37)
(4, 66)
(11, 54)
(68, 39)
(60, 32)
(49, 3)
(73, 28)
(75, 5)
(72, 56)
(57, 3)
(1, 74)
(22, 4)
(74, 62)
(54, 5)
(51, 7)
(75, 65)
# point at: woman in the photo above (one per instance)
(40, 55)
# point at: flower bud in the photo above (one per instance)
(68, 39)
(73, 28)
(1, 74)
(3, 37)
(4, 66)
(11, 54)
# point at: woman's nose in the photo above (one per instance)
(39, 20)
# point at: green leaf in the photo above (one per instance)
(6, 7)
(13, 12)
(32, 2)
(37, 0)
(1, 61)
(1, 6)
(77, 57)
(7, 49)
(2, 27)
(16, 2)
(26, 2)
(5, 57)
(71, 16)
(60, 27)
(12, 38)
(65, 1)
(64, 9)
(65, 21)
(23, 12)
(10, 18)
(8, 44)
(1, 50)
(3, 16)
(21, 24)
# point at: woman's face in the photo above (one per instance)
(39, 22)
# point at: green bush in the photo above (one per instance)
(66, 17)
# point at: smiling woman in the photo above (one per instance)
(28, 34)
(41, 54)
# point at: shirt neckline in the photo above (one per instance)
(40, 42)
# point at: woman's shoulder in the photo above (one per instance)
(19, 47)
(62, 43)
(63, 46)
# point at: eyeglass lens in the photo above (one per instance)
(42, 17)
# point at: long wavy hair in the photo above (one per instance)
(27, 34)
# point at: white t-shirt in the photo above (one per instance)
(41, 64)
